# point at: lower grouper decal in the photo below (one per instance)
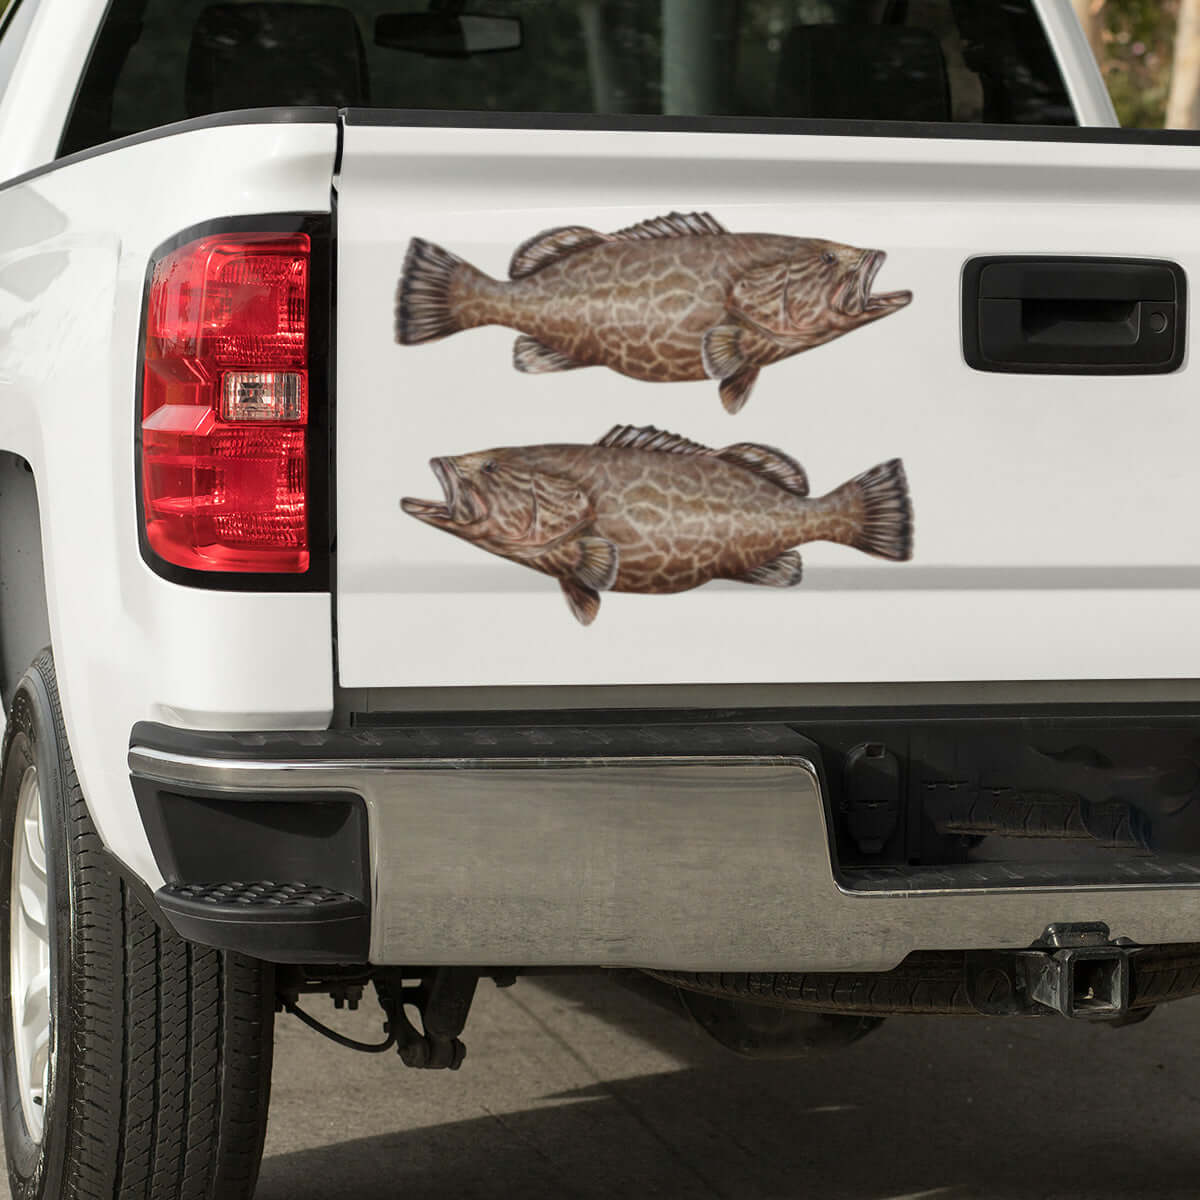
(647, 511)
(675, 298)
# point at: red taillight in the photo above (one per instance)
(225, 404)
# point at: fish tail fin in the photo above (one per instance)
(425, 308)
(877, 507)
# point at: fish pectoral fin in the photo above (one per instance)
(772, 464)
(782, 572)
(596, 566)
(532, 357)
(582, 601)
(548, 247)
(735, 390)
(721, 351)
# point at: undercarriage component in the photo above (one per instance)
(767, 1032)
(747, 1028)
(1036, 982)
(443, 998)
(339, 1038)
(344, 986)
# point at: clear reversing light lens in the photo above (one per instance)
(262, 396)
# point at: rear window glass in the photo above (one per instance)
(157, 61)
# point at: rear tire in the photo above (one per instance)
(159, 1052)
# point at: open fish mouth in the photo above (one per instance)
(883, 302)
(461, 506)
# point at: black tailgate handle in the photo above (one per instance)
(1074, 316)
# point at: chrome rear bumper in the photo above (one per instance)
(696, 862)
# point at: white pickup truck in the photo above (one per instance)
(346, 641)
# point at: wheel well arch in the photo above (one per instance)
(24, 614)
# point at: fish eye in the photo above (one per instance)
(829, 258)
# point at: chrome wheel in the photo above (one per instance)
(29, 969)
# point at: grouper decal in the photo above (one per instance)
(674, 298)
(647, 511)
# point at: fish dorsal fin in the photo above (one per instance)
(555, 244)
(546, 248)
(673, 225)
(630, 437)
(781, 469)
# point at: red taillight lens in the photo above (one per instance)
(225, 405)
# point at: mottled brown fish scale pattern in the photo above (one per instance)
(649, 512)
(647, 300)
(478, 300)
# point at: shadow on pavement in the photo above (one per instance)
(1012, 1110)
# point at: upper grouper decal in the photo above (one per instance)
(671, 299)
(647, 511)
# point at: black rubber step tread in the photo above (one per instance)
(170, 1056)
(931, 983)
(279, 923)
(306, 901)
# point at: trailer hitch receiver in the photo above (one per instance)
(1080, 972)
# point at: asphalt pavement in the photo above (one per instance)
(575, 1087)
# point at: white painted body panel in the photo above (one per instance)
(37, 101)
(129, 646)
(1054, 514)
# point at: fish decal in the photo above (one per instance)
(674, 298)
(647, 511)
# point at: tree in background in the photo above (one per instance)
(1135, 42)
(1091, 17)
(1183, 104)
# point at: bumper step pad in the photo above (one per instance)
(279, 922)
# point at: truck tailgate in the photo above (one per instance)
(1053, 520)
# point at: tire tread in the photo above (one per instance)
(168, 1070)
